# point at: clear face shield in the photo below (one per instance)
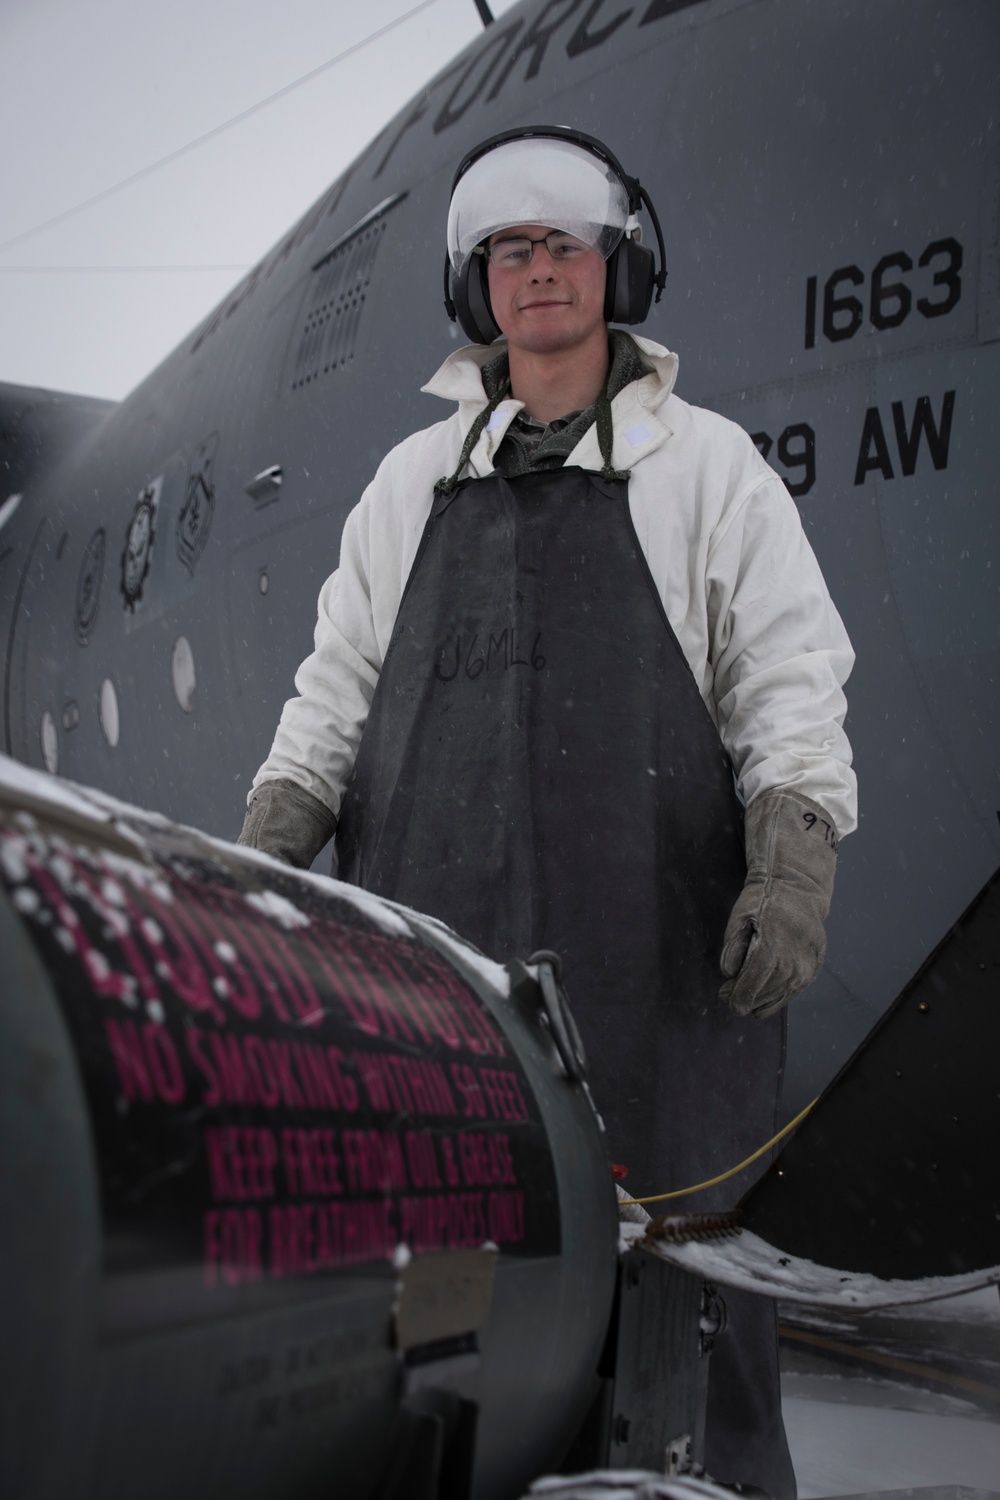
(537, 180)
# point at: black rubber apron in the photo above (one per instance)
(539, 770)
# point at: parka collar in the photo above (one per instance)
(460, 377)
(639, 427)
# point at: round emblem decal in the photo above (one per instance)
(88, 586)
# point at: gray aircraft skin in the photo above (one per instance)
(828, 181)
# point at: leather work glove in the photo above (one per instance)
(288, 822)
(775, 941)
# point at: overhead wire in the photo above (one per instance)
(216, 130)
(242, 266)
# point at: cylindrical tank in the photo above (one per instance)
(281, 1166)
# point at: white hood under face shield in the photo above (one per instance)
(537, 180)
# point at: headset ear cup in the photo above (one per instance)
(471, 297)
(616, 286)
(641, 279)
(629, 288)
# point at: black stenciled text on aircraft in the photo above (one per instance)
(484, 75)
(924, 429)
(891, 299)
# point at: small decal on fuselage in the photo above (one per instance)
(88, 586)
(138, 552)
(195, 520)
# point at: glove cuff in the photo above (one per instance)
(790, 837)
(286, 821)
(775, 940)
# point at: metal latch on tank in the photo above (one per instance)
(556, 1016)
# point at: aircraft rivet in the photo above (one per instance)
(898, 1073)
(923, 1007)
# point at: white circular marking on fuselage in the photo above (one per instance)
(182, 673)
(50, 743)
(108, 712)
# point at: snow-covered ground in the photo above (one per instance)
(849, 1437)
(852, 1432)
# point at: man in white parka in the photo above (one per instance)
(565, 619)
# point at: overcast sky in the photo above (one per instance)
(95, 90)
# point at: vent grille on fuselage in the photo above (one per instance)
(333, 313)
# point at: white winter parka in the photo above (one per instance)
(725, 546)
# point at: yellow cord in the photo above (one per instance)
(683, 1192)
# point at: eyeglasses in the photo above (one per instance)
(513, 254)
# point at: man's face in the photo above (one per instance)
(548, 305)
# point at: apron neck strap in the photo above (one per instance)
(446, 485)
(605, 437)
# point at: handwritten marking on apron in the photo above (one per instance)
(499, 654)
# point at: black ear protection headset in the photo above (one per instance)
(631, 276)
